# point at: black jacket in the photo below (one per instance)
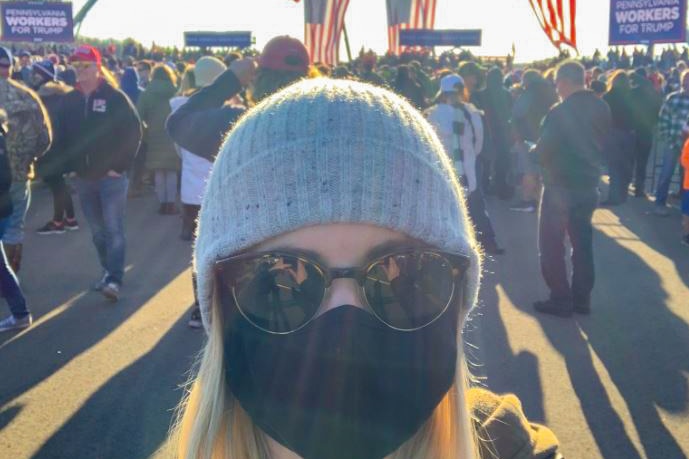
(109, 133)
(646, 104)
(65, 107)
(573, 138)
(5, 179)
(199, 125)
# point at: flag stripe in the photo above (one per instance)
(324, 20)
(420, 14)
(557, 18)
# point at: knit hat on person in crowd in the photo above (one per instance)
(45, 69)
(285, 53)
(207, 69)
(86, 53)
(6, 57)
(330, 151)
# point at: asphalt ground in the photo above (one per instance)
(92, 379)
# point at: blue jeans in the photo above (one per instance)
(670, 159)
(9, 285)
(103, 202)
(21, 198)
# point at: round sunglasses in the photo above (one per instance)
(280, 292)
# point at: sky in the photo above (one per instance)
(503, 22)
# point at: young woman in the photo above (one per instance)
(336, 266)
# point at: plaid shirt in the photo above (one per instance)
(673, 116)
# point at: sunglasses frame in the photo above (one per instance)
(459, 262)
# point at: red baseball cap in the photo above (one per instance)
(285, 53)
(86, 53)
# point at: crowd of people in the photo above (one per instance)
(489, 120)
(435, 135)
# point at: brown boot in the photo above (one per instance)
(14, 256)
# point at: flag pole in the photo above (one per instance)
(346, 38)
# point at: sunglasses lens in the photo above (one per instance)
(410, 290)
(277, 293)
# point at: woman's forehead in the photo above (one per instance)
(337, 243)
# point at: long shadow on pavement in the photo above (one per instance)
(490, 357)
(156, 256)
(131, 414)
(643, 345)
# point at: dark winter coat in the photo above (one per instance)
(65, 109)
(109, 133)
(573, 139)
(620, 144)
(496, 103)
(199, 125)
(646, 103)
(154, 108)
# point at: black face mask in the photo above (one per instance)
(345, 386)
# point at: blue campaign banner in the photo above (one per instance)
(37, 21)
(428, 37)
(647, 22)
(218, 39)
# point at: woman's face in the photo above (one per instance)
(339, 245)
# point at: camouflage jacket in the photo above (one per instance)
(28, 133)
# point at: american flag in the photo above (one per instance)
(408, 14)
(558, 20)
(323, 23)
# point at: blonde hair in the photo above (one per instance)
(108, 76)
(212, 425)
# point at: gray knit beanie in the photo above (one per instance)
(330, 151)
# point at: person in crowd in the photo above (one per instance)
(68, 76)
(368, 69)
(473, 75)
(129, 84)
(684, 160)
(460, 128)
(529, 109)
(19, 317)
(200, 124)
(195, 169)
(23, 73)
(143, 68)
(291, 194)
(570, 151)
(28, 137)
(598, 87)
(231, 57)
(104, 148)
(6, 63)
(621, 142)
(673, 115)
(407, 86)
(161, 157)
(646, 103)
(64, 108)
(496, 103)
